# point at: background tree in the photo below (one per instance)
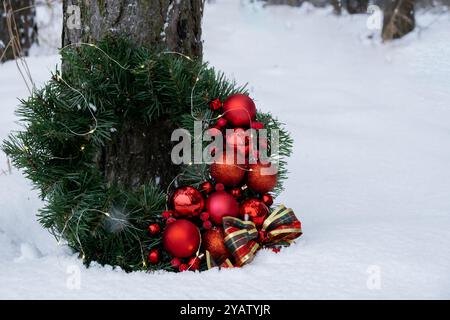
(398, 19)
(18, 18)
(140, 151)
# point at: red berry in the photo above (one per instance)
(257, 125)
(222, 122)
(204, 216)
(183, 267)
(236, 192)
(175, 262)
(276, 250)
(153, 256)
(207, 187)
(267, 199)
(216, 104)
(167, 214)
(194, 263)
(207, 224)
(170, 220)
(154, 228)
(220, 187)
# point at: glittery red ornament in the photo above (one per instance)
(207, 187)
(187, 202)
(267, 199)
(239, 110)
(262, 177)
(154, 228)
(226, 171)
(256, 210)
(216, 104)
(153, 256)
(221, 204)
(236, 192)
(213, 241)
(181, 238)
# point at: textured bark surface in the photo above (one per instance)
(139, 152)
(398, 19)
(24, 29)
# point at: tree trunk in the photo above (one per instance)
(23, 27)
(356, 6)
(398, 19)
(139, 152)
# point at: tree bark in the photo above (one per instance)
(398, 19)
(23, 27)
(139, 152)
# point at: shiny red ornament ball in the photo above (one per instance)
(207, 187)
(187, 202)
(153, 256)
(181, 238)
(236, 192)
(167, 214)
(221, 204)
(256, 210)
(239, 110)
(227, 171)
(154, 228)
(262, 178)
(216, 104)
(213, 241)
(267, 199)
(170, 220)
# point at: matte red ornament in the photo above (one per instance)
(216, 104)
(213, 241)
(239, 110)
(236, 192)
(267, 199)
(153, 256)
(207, 187)
(261, 177)
(154, 228)
(221, 204)
(227, 172)
(187, 202)
(181, 238)
(256, 210)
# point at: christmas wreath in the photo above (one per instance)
(216, 213)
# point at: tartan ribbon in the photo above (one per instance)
(211, 263)
(242, 238)
(281, 227)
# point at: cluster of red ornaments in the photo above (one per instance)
(194, 219)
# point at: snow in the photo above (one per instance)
(369, 178)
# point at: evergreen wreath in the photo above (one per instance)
(76, 113)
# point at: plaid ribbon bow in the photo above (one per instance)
(281, 227)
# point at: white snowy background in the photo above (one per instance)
(369, 178)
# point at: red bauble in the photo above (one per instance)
(207, 224)
(175, 262)
(187, 202)
(236, 192)
(221, 204)
(261, 178)
(204, 216)
(256, 210)
(238, 141)
(181, 238)
(213, 241)
(257, 125)
(183, 267)
(207, 187)
(153, 256)
(167, 214)
(239, 110)
(194, 263)
(227, 171)
(267, 199)
(222, 122)
(154, 228)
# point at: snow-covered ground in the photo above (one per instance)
(370, 176)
